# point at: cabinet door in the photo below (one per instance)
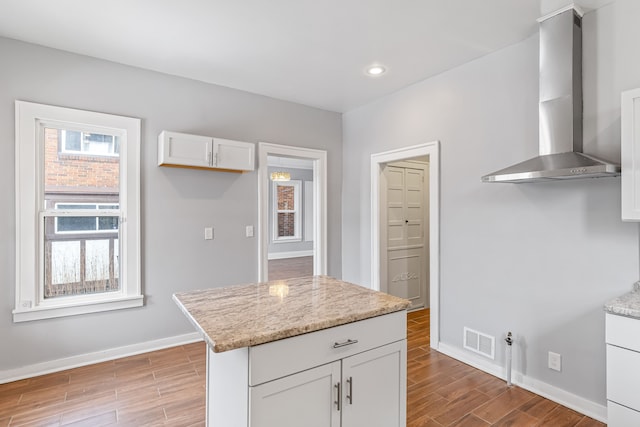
(306, 399)
(375, 387)
(234, 155)
(631, 155)
(621, 416)
(184, 150)
(623, 377)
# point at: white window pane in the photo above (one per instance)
(97, 260)
(65, 262)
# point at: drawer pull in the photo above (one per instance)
(339, 399)
(344, 343)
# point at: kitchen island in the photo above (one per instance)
(312, 351)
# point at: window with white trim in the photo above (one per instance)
(77, 216)
(286, 211)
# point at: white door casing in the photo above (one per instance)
(319, 158)
(378, 160)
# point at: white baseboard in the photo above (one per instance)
(36, 369)
(293, 254)
(563, 397)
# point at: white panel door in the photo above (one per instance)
(308, 398)
(396, 230)
(406, 275)
(375, 385)
(407, 263)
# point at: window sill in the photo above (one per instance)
(287, 240)
(39, 313)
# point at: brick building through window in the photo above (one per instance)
(81, 182)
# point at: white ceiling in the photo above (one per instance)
(312, 52)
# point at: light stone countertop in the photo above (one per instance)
(252, 314)
(627, 304)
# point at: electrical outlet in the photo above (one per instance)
(555, 361)
(208, 233)
(248, 231)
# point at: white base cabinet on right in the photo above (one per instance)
(623, 375)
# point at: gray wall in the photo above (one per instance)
(536, 259)
(176, 203)
(302, 175)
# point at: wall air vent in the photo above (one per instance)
(479, 343)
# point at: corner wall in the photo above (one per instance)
(539, 260)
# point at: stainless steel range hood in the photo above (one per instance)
(560, 109)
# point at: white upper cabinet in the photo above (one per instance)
(631, 155)
(233, 155)
(185, 150)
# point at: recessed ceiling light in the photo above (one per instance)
(376, 70)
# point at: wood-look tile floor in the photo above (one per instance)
(442, 391)
(167, 387)
(288, 268)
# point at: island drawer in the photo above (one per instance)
(623, 331)
(278, 359)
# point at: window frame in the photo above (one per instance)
(297, 214)
(66, 212)
(82, 152)
(31, 119)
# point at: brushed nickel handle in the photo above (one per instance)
(350, 393)
(344, 343)
(337, 402)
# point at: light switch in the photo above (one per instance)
(208, 233)
(249, 231)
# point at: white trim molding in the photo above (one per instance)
(431, 149)
(292, 254)
(551, 392)
(29, 371)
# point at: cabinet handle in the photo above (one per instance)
(209, 158)
(344, 343)
(339, 399)
(350, 392)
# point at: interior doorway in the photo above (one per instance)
(290, 249)
(382, 220)
(292, 225)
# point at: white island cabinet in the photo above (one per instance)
(336, 358)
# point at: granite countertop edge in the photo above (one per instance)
(627, 304)
(258, 338)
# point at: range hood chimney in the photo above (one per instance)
(560, 110)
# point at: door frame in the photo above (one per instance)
(378, 160)
(319, 159)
